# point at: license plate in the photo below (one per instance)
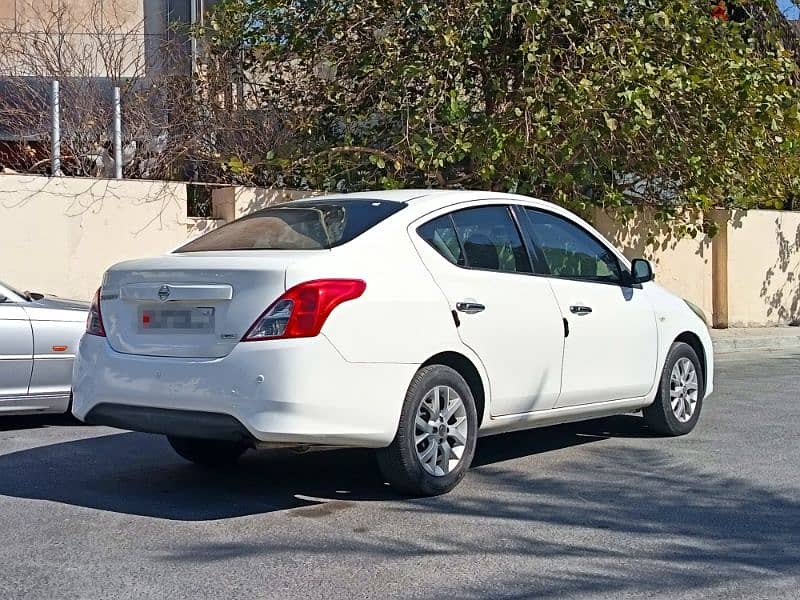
(177, 320)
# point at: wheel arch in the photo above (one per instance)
(692, 339)
(467, 369)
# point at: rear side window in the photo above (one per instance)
(490, 239)
(479, 238)
(441, 234)
(300, 225)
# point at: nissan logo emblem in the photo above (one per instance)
(163, 293)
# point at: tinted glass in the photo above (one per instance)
(491, 240)
(300, 225)
(570, 251)
(441, 234)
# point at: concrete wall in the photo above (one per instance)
(59, 235)
(231, 203)
(763, 283)
(682, 265)
(747, 275)
(91, 38)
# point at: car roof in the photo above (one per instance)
(426, 200)
(423, 201)
(404, 195)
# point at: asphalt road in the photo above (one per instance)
(595, 510)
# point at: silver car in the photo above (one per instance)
(38, 338)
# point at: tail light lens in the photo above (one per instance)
(303, 309)
(94, 322)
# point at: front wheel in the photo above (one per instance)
(209, 453)
(436, 435)
(680, 394)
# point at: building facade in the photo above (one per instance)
(89, 46)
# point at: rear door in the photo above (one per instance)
(56, 333)
(506, 314)
(610, 352)
(16, 350)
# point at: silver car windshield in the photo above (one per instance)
(12, 294)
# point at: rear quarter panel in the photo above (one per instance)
(402, 317)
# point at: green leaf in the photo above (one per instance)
(573, 100)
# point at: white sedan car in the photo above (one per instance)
(38, 339)
(409, 321)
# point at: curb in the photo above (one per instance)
(782, 342)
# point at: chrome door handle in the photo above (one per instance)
(580, 310)
(470, 308)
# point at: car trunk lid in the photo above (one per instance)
(195, 305)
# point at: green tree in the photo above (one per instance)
(584, 102)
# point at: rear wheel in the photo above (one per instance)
(436, 435)
(209, 453)
(676, 409)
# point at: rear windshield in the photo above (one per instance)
(299, 225)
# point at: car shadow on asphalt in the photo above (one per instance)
(139, 474)
(603, 519)
(14, 422)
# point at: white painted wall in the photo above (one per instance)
(58, 235)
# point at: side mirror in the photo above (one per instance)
(2, 298)
(641, 270)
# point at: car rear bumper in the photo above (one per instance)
(287, 391)
(168, 421)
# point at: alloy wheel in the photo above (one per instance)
(440, 430)
(683, 389)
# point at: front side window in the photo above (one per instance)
(571, 252)
(300, 225)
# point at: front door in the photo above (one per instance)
(507, 316)
(16, 351)
(611, 350)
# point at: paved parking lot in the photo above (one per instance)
(599, 509)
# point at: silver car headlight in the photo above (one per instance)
(697, 310)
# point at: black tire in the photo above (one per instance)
(208, 453)
(659, 416)
(399, 462)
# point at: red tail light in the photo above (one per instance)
(303, 309)
(94, 322)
